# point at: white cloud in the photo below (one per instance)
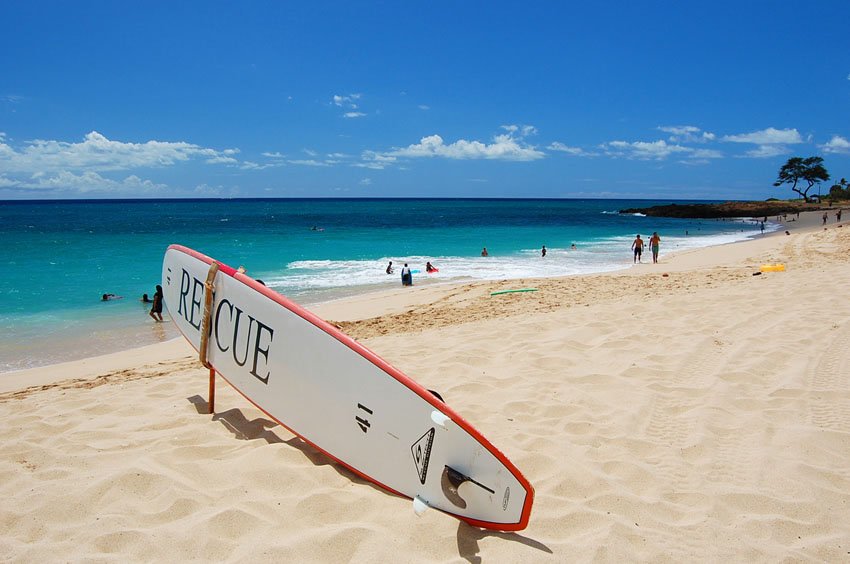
(769, 136)
(523, 130)
(767, 151)
(365, 182)
(837, 144)
(250, 165)
(503, 147)
(687, 134)
(375, 161)
(275, 155)
(97, 153)
(347, 101)
(644, 150)
(90, 182)
(308, 162)
(706, 154)
(221, 159)
(573, 151)
(423, 107)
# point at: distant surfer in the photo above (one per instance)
(108, 297)
(406, 276)
(390, 268)
(156, 308)
(637, 247)
(429, 267)
(484, 252)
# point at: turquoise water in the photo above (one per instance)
(60, 257)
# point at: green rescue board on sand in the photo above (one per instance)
(341, 397)
(513, 291)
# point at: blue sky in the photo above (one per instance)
(419, 99)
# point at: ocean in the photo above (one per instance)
(60, 257)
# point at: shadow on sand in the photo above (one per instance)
(468, 537)
(244, 429)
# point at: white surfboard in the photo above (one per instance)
(342, 398)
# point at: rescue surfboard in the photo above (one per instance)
(340, 397)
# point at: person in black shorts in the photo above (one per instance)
(156, 308)
(637, 247)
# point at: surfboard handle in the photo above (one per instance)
(205, 331)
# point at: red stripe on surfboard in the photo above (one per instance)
(386, 368)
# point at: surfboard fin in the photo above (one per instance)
(451, 480)
(420, 506)
(440, 418)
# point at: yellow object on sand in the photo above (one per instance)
(779, 267)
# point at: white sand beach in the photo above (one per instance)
(680, 411)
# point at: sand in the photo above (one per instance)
(702, 415)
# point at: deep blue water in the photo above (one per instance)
(60, 257)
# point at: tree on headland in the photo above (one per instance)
(810, 170)
(840, 191)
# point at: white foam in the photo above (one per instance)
(603, 255)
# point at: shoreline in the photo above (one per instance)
(346, 311)
(71, 335)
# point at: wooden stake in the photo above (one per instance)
(212, 391)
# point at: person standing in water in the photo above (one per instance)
(637, 247)
(406, 276)
(543, 251)
(655, 243)
(156, 308)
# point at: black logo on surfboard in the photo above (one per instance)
(421, 450)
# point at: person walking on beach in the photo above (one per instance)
(654, 244)
(156, 308)
(838, 215)
(637, 247)
(824, 218)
